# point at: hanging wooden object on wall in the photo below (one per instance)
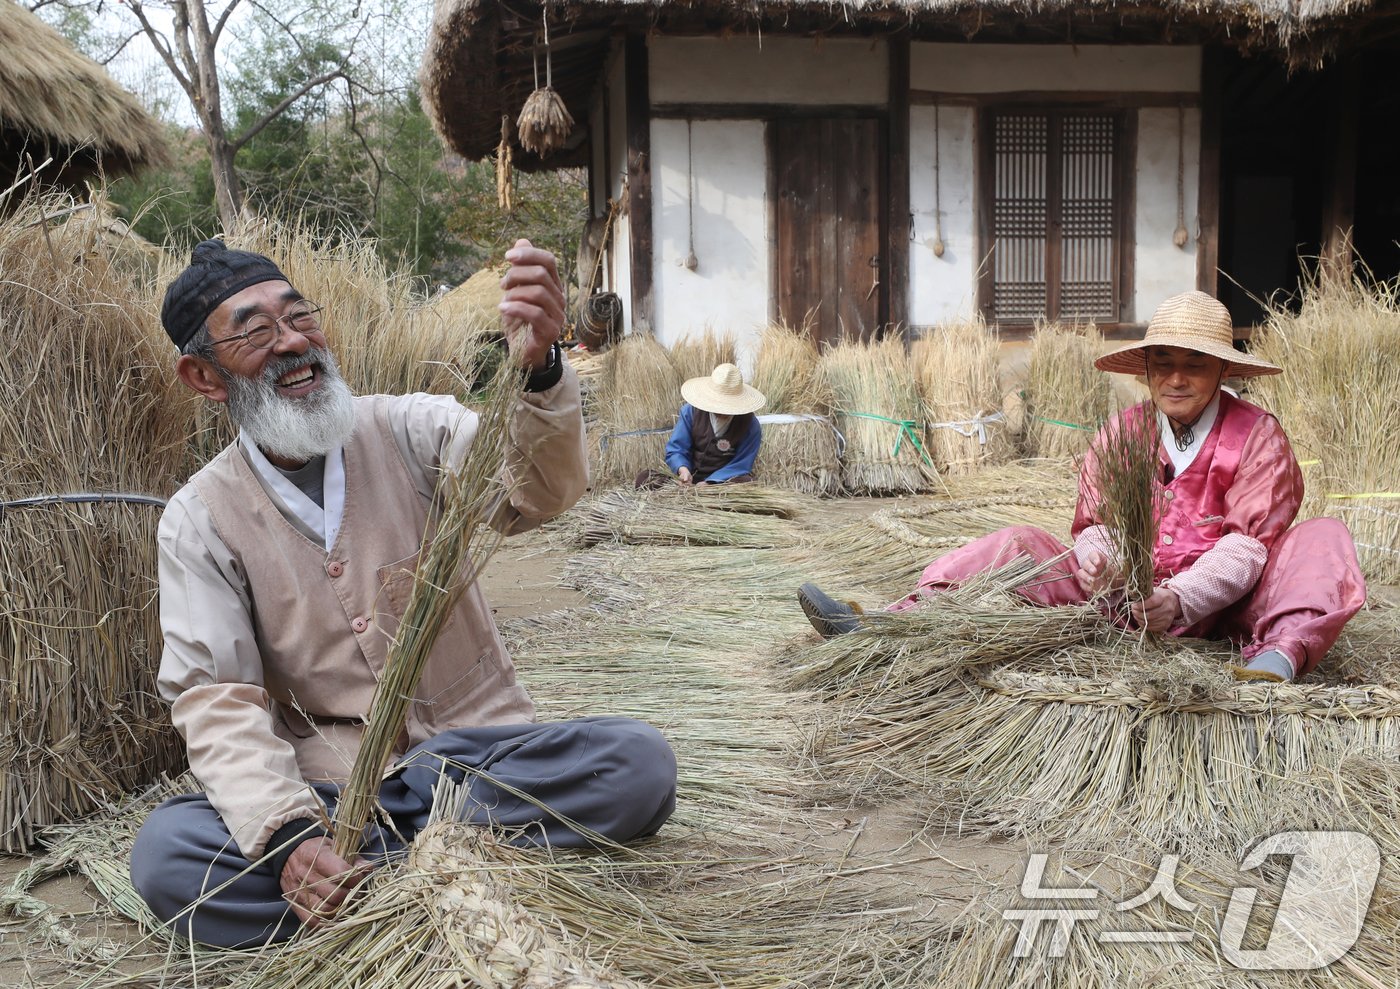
(545, 122)
(505, 169)
(1180, 236)
(938, 246)
(691, 262)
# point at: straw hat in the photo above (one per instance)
(1195, 321)
(723, 392)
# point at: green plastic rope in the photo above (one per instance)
(906, 428)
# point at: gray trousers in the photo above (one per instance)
(614, 776)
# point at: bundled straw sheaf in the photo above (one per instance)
(638, 398)
(460, 545)
(1067, 398)
(800, 446)
(1122, 484)
(879, 412)
(88, 406)
(957, 366)
(697, 355)
(1338, 399)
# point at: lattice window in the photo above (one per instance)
(1053, 196)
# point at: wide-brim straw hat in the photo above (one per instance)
(1193, 321)
(723, 392)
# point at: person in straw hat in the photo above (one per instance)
(717, 435)
(281, 564)
(1227, 565)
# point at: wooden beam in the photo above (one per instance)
(1080, 99)
(1208, 190)
(1339, 203)
(896, 221)
(760, 111)
(639, 226)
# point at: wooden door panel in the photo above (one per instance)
(827, 192)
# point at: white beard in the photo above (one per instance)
(296, 429)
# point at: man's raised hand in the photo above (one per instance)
(532, 311)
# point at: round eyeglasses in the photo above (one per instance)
(264, 330)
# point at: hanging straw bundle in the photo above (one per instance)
(452, 560)
(957, 367)
(545, 122)
(89, 408)
(878, 411)
(1339, 401)
(1067, 398)
(800, 445)
(638, 398)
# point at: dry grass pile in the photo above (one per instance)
(87, 405)
(1339, 401)
(1067, 398)
(753, 517)
(878, 410)
(957, 367)
(1052, 722)
(697, 355)
(800, 446)
(638, 399)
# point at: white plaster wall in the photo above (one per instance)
(620, 263)
(750, 69)
(1161, 268)
(942, 289)
(729, 289)
(953, 68)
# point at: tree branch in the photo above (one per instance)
(162, 47)
(253, 131)
(223, 19)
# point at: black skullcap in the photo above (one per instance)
(214, 274)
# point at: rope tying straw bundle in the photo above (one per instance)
(906, 429)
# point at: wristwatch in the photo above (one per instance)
(548, 376)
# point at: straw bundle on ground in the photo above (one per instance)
(957, 367)
(1067, 398)
(800, 446)
(1339, 401)
(88, 406)
(697, 355)
(878, 410)
(679, 518)
(451, 561)
(638, 398)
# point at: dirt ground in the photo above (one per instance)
(522, 580)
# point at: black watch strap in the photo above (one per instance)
(548, 376)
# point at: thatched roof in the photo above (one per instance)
(57, 101)
(478, 64)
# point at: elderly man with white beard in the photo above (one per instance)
(285, 562)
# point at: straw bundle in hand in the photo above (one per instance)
(639, 395)
(88, 405)
(1338, 399)
(878, 410)
(1067, 398)
(957, 366)
(452, 560)
(800, 447)
(1122, 480)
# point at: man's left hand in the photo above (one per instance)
(532, 311)
(1159, 612)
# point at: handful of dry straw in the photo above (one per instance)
(1123, 476)
(1067, 398)
(800, 446)
(452, 560)
(957, 366)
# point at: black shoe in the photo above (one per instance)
(827, 615)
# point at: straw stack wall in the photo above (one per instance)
(1067, 398)
(1338, 399)
(638, 398)
(877, 408)
(957, 370)
(88, 404)
(803, 455)
(697, 355)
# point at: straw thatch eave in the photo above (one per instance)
(479, 63)
(55, 101)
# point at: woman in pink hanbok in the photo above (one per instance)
(1227, 564)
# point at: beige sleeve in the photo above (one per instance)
(546, 467)
(211, 672)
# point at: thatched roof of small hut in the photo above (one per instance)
(478, 64)
(55, 101)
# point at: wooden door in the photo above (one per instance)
(826, 189)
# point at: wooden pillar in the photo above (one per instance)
(1339, 202)
(1208, 190)
(896, 219)
(639, 181)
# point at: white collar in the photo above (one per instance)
(1182, 459)
(293, 501)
